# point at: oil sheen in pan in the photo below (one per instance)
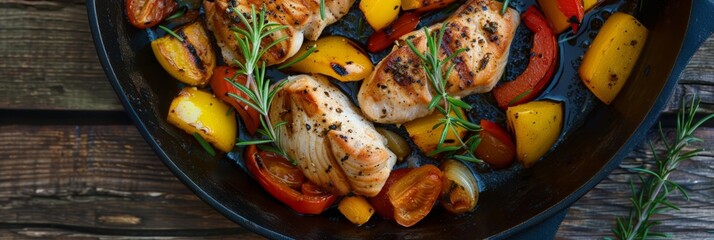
(566, 87)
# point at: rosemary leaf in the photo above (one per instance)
(262, 132)
(444, 149)
(453, 55)
(360, 27)
(205, 145)
(247, 102)
(473, 143)
(434, 101)
(307, 53)
(280, 124)
(468, 158)
(177, 14)
(519, 97)
(468, 125)
(322, 9)
(169, 31)
(457, 102)
(253, 142)
(442, 138)
(438, 124)
(252, 96)
(262, 52)
(642, 170)
(505, 6)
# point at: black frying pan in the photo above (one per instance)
(519, 204)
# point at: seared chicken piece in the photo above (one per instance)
(398, 89)
(301, 18)
(334, 146)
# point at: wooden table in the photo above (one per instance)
(72, 164)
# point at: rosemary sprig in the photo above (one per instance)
(257, 88)
(438, 70)
(652, 197)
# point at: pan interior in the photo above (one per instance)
(513, 198)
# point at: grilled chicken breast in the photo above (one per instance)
(334, 146)
(398, 90)
(302, 19)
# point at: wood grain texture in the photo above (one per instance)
(95, 179)
(697, 78)
(594, 214)
(48, 60)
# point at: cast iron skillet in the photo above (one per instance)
(518, 205)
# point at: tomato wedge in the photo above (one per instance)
(285, 172)
(147, 13)
(540, 69)
(380, 202)
(221, 88)
(414, 195)
(382, 39)
(496, 147)
(574, 11)
(308, 200)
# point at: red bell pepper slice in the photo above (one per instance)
(382, 39)
(540, 69)
(221, 88)
(309, 200)
(574, 11)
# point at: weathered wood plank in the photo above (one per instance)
(697, 78)
(104, 178)
(53, 233)
(48, 59)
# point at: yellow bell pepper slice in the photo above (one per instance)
(422, 132)
(335, 56)
(611, 57)
(536, 126)
(356, 209)
(380, 13)
(589, 4)
(190, 61)
(196, 111)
